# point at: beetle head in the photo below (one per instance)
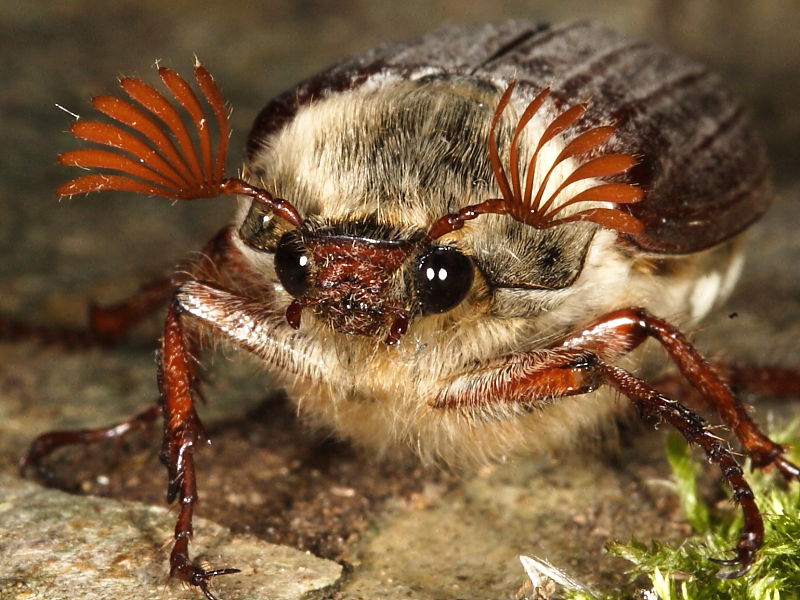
(362, 282)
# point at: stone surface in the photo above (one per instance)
(406, 533)
(58, 546)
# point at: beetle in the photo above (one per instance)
(447, 246)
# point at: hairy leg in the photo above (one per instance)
(182, 432)
(109, 325)
(178, 379)
(569, 371)
(650, 402)
(621, 331)
(581, 363)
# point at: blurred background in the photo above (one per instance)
(57, 256)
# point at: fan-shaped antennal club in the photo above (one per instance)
(531, 206)
(152, 150)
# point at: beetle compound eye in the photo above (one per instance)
(443, 278)
(292, 264)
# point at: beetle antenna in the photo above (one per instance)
(155, 152)
(536, 210)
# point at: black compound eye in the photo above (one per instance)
(292, 264)
(443, 278)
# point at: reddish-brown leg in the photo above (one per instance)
(49, 442)
(621, 331)
(106, 325)
(177, 380)
(182, 432)
(694, 431)
(768, 381)
(570, 371)
(580, 364)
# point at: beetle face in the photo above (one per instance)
(348, 282)
(367, 286)
(370, 173)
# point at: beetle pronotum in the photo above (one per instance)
(514, 203)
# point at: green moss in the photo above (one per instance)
(687, 573)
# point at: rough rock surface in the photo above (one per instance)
(58, 546)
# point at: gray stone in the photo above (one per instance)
(56, 546)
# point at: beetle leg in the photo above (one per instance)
(695, 432)
(49, 442)
(182, 431)
(621, 331)
(106, 325)
(568, 371)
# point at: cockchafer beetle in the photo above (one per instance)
(446, 246)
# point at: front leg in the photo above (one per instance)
(540, 377)
(246, 323)
(182, 432)
(621, 331)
